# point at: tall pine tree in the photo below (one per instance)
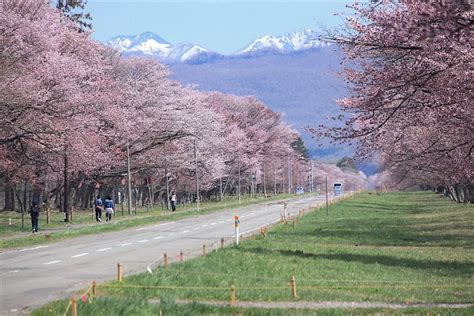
(74, 10)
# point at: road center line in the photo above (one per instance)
(143, 240)
(103, 249)
(185, 231)
(159, 237)
(204, 226)
(80, 255)
(212, 224)
(126, 244)
(52, 262)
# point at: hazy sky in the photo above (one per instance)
(223, 26)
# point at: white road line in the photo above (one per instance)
(159, 237)
(143, 240)
(103, 249)
(126, 244)
(80, 255)
(185, 231)
(229, 220)
(138, 229)
(204, 226)
(221, 222)
(34, 248)
(243, 216)
(212, 224)
(52, 262)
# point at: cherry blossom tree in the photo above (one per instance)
(409, 67)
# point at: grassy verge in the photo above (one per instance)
(83, 222)
(395, 248)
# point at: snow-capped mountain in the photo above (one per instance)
(287, 43)
(153, 45)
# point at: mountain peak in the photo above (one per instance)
(286, 43)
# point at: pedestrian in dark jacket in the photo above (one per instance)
(173, 201)
(34, 213)
(99, 207)
(109, 208)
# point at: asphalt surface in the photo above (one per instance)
(31, 277)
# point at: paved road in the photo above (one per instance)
(30, 277)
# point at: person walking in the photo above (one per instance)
(173, 201)
(109, 209)
(99, 207)
(34, 213)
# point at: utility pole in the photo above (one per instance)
(196, 172)
(129, 181)
(65, 201)
(289, 176)
(274, 179)
(327, 199)
(220, 189)
(238, 162)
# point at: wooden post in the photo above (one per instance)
(165, 260)
(233, 296)
(94, 288)
(119, 272)
(73, 306)
(181, 256)
(203, 250)
(222, 243)
(293, 286)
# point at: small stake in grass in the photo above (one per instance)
(203, 250)
(119, 272)
(293, 286)
(181, 256)
(222, 243)
(165, 260)
(73, 306)
(94, 288)
(233, 296)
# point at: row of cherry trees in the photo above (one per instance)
(410, 68)
(73, 113)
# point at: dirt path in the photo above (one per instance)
(323, 305)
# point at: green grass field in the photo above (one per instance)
(83, 222)
(394, 248)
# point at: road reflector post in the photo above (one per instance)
(94, 288)
(233, 295)
(165, 260)
(181, 256)
(204, 250)
(293, 286)
(236, 225)
(73, 306)
(119, 272)
(222, 243)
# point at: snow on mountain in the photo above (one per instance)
(287, 43)
(153, 45)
